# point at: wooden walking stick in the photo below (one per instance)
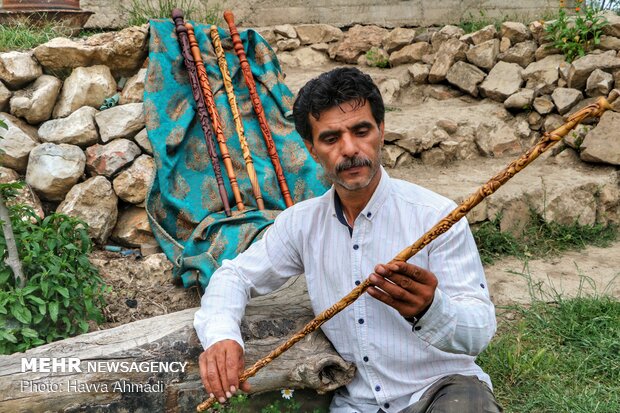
(232, 100)
(546, 142)
(258, 107)
(188, 60)
(215, 117)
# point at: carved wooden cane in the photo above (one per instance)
(232, 100)
(546, 142)
(188, 60)
(258, 107)
(215, 117)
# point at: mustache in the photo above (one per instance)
(352, 163)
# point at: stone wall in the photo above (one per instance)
(97, 164)
(341, 13)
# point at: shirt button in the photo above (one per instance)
(358, 282)
(356, 246)
(365, 358)
(481, 285)
(369, 214)
(417, 328)
(386, 405)
(361, 321)
(377, 388)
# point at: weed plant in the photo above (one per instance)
(64, 290)
(474, 23)
(22, 35)
(539, 238)
(141, 11)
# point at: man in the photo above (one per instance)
(414, 336)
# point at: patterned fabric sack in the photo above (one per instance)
(183, 205)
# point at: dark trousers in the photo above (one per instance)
(456, 394)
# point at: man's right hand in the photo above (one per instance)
(220, 368)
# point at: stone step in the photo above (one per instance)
(560, 188)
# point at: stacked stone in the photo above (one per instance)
(515, 66)
(93, 164)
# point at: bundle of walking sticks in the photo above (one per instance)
(209, 118)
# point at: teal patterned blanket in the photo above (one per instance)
(183, 205)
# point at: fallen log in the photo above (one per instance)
(150, 347)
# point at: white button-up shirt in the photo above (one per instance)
(395, 362)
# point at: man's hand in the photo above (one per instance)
(220, 368)
(406, 287)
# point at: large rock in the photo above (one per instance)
(444, 34)
(123, 52)
(599, 83)
(35, 103)
(543, 75)
(285, 30)
(24, 196)
(132, 228)
(286, 45)
(566, 98)
(108, 159)
(546, 49)
(18, 140)
(543, 105)
(583, 67)
(613, 24)
(503, 80)
(485, 54)
(410, 54)
(601, 143)
(359, 39)
(54, 169)
(133, 92)
(18, 69)
(609, 43)
(485, 34)
(318, 33)
(450, 51)
(538, 31)
(5, 97)
(304, 57)
(132, 184)
(94, 202)
(142, 139)
(496, 143)
(521, 53)
(515, 31)
(521, 100)
(419, 72)
(466, 77)
(398, 38)
(79, 128)
(86, 86)
(122, 121)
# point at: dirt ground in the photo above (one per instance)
(143, 288)
(140, 288)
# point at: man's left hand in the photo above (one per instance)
(406, 287)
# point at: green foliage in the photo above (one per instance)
(473, 23)
(576, 35)
(22, 35)
(376, 59)
(560, 357)
(141, 11)
(64, 290)
(243, 404)
(539, 238)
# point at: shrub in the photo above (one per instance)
(64, 290)
(575, 35)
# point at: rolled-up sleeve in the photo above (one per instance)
(461, 318)
(261, 269)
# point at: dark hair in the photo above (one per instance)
(334, 88)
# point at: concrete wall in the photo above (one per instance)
(388, 13)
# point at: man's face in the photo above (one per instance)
(347, 142)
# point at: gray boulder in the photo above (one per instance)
(54, 169)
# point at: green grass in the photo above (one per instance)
(473, 23)
(23, 36)
(140, 11)
(558, 357)
(539, 239)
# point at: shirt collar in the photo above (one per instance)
(372, 207)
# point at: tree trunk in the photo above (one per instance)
(12, 259)
(312, 363)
